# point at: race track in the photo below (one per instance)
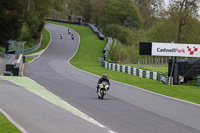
(126, 109)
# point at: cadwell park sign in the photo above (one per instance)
(169, 49)
(173, 49)
(185, 68)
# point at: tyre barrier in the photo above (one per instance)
(137, 72)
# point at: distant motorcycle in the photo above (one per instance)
(61, 35)
(102, 88)
(72, 36)
(69, 32)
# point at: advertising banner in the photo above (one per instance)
(174, 49)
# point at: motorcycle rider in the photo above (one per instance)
(69, 32)
(72, 36)
(61, 35)
(104, 78)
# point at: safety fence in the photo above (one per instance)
(137, 72)
(27, 51)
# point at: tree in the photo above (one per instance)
(14, 13)
(150, 10)
(33, 22)
(60, 11)
(81, 8)
(167, 30)
(98, 11)
(12, 18)
(182, 11)
(123, 12)
(180, 18)
(35, 13)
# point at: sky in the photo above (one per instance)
(167, 3)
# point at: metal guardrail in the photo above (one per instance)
(64, 21)
(107, 47)
(93, 27)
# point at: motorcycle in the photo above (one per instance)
(61, 35)
(69, 32)
(72, 37)
(102, 88)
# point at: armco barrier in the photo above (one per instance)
(93, 27)
(137, 72)
(63, 21)
(96, 30)
(107, 47)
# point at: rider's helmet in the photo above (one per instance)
(105, 76)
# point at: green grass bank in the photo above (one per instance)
(87, 59)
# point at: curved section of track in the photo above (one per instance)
(126, 109)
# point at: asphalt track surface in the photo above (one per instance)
(125, 109)
(31, 113)
(34, 114)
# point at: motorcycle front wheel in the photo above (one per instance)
(102, 94)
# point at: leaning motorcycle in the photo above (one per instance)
(61, 36)
(72, 36)
(102, 88)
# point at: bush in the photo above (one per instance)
(26, 36)
(126, 36)
(113, 30)
(123, 54)
(32, 22)
(123, 34)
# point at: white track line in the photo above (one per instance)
(13, 122)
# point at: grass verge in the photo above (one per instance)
(6, 126)
(28, 59)
(87, 59)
